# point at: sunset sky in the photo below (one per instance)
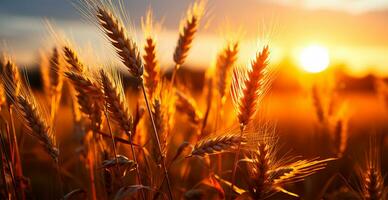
(355, 32)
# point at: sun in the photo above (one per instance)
(314, 58)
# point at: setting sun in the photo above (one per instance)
(314, 59)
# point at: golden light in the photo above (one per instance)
(314, 58)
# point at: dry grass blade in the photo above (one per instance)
(72, 59)
(125, 47)
(36, 122)
(217, 144)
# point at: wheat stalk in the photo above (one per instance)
(372, 181)
(161, 123)
(11, 80)
(268, 175)
(118, 109)
(116, 103)
(72, 59)
(151, 64)
(247, 90)
(55, 72)
(38, 124)
(76, 65)
(89, 97)
(125, 47)
(225, 61)
(128, 52)
(340, 136)
(186, 35)
(187, 32)
(217, 144)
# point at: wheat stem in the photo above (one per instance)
(17, 161)
(111, 135)
(163, 162)
(9, 166)
(242, 127)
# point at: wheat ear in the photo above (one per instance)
(125, 47)
(318, 104)
(72, 59)
(186, 35)
(161, 122)
(116, 102)
(247, 90)
(11, 80)
(340, 136)
(55, 73)
(89, 96)
(372, 181)
(225, 61)
(38, 125)
(217, 144)
(151, 64)
(268, 175)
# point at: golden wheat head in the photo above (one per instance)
(188, 31)
(125, 47)
(249, 87)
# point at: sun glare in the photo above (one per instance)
(314, 58)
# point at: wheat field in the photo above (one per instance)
(139, 131)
